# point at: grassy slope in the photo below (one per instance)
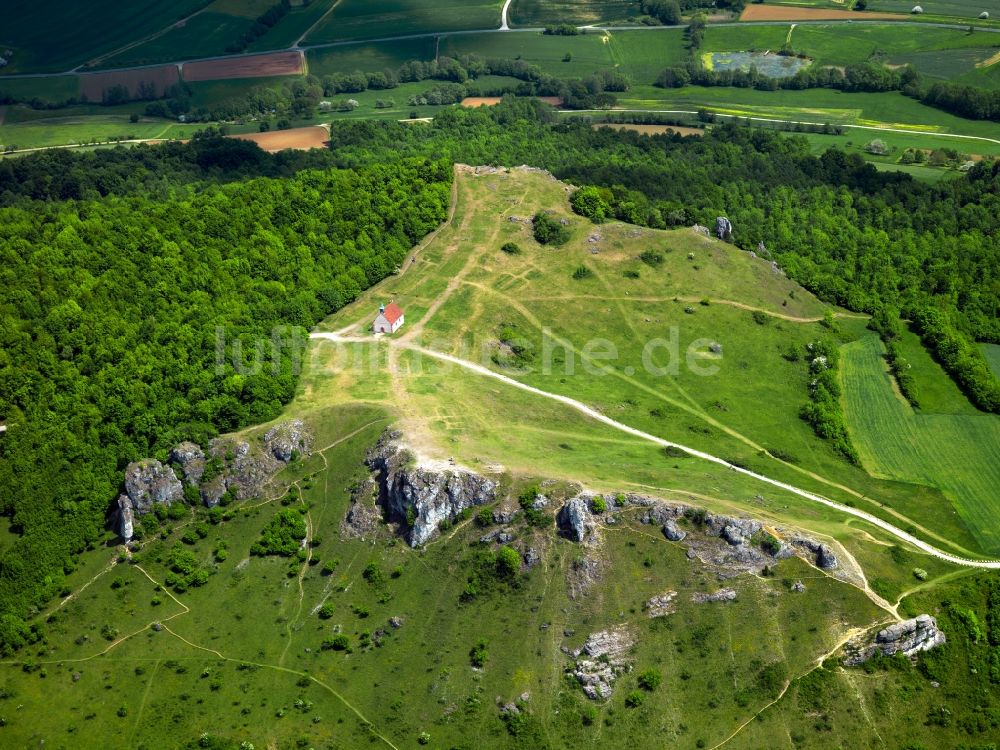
(959, 453)
(752, 403)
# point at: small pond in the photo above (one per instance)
(767, 63)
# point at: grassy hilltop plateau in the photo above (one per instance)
(686, 430)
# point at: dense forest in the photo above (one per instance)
(120, 265)
(114, 309)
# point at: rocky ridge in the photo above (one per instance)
(420, 499)
(229, 468)
(601, 661)
(908, 637)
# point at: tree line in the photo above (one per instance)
(958, 99)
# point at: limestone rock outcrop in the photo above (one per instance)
(421, 499)
(234, 466)
(125, 524)
(190, 458)
(601, 661)
(722, 595)
(908, 637)
(825, 558)
(574, 518)
(149, 482)
(286, 440)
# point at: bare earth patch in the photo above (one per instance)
(93, 85)
(254, 66)
(492, 101)
(785, 13)
(297, 138)
(652, 129)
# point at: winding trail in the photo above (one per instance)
(504, 26)
(597, 416)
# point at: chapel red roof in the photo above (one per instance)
(392, 313)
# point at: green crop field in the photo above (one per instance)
(47, 89)
(577, 12)
(959, 454)
(205, 35)
(961, 8)
(935, 391)
(357, 19)
(816, 105)
(57, 35)
(368, 57)
(992, 352)
(299, 20)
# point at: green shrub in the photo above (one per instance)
(582, 272)
(635, 699)
(326, 611)
(478, 654)
(282, 536)
(651, 258)
(511, 248)
(598, 505)
(650, 679)
(549, 231)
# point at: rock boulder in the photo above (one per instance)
(150, 482)
(908, 637)
(574, 518)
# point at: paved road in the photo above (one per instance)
(596, 415)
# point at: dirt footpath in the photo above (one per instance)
(786, 13)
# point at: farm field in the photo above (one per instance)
(59, 131)
(854, 141)
(369, 57)
(936, 392)
(961, 8)
(299, 20)
(205, 35)
(752, 403)
(817, 105)
(992, 352)
(357, 19)
(256, 66)
(59, 35)
(958, 453)
(578, 12)
(94, 86)
(294, 138)
(791, 13)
